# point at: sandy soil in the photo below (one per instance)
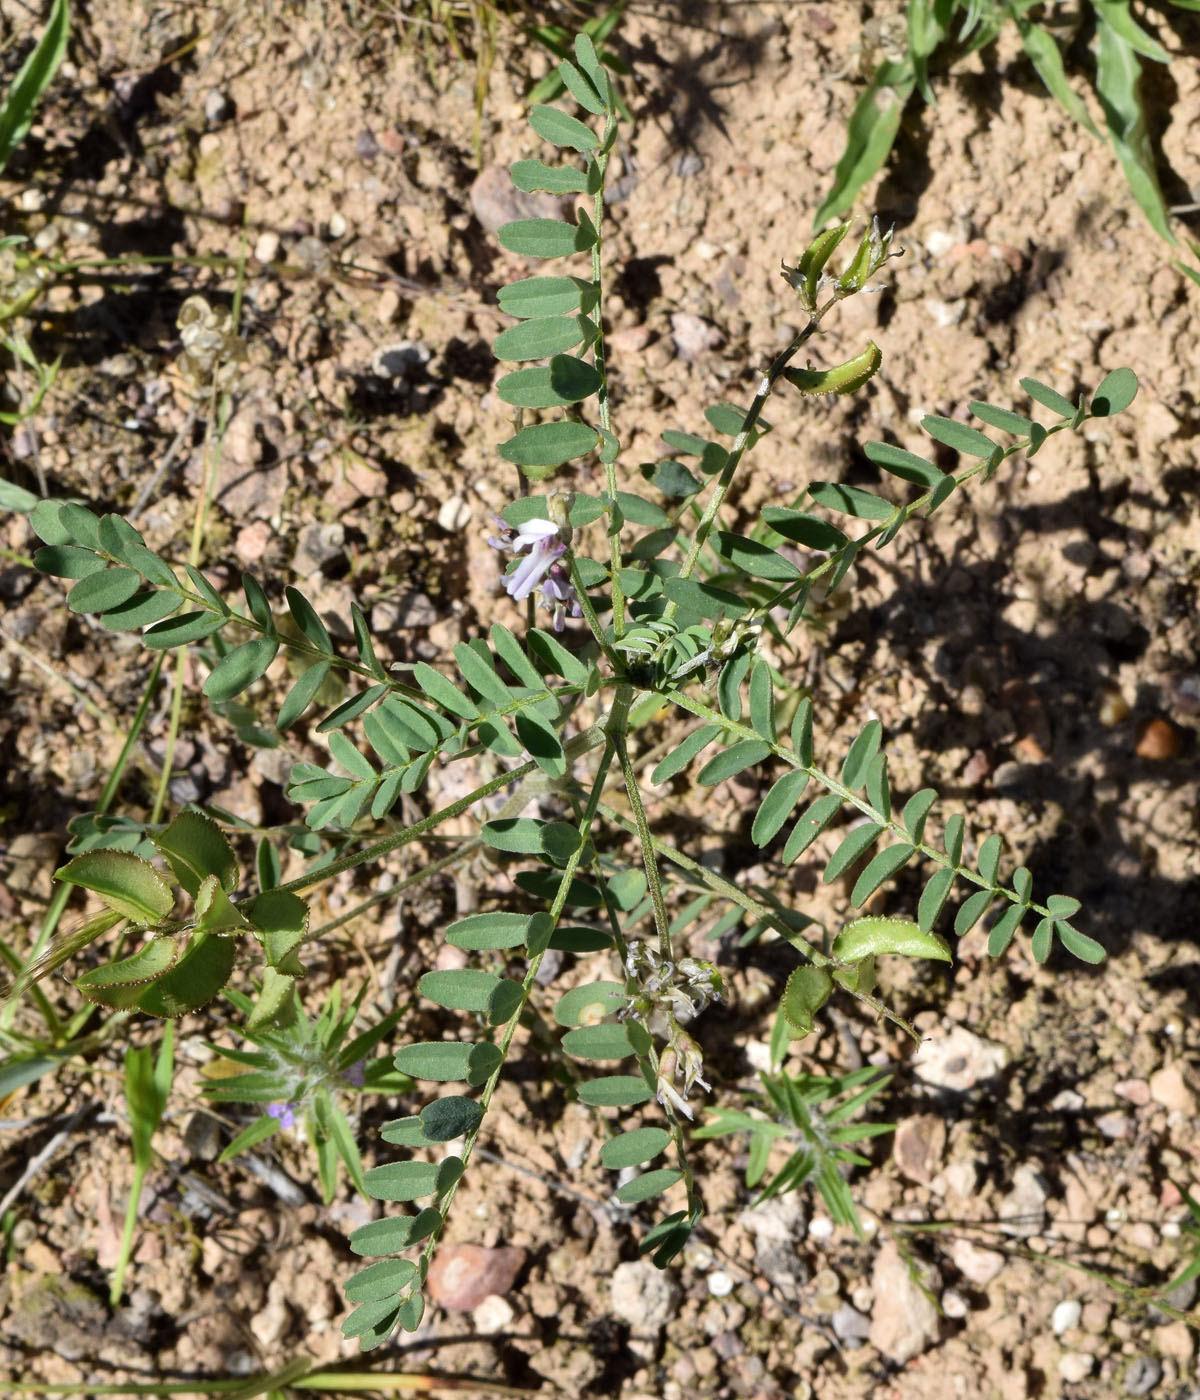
(1031, 652)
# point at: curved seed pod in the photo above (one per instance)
(841, 379)
(875, 935)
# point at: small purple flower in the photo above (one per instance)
(284, 1112)
(540, 568)
(356, 1074)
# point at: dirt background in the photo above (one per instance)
(1031, 652)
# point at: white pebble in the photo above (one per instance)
(819, 1228)
(1066, 1316)
(454, 513)
(1076, 1366)
(953, 1303)
(720, 1285)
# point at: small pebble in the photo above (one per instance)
(463, 1275)
(1158, 739)
(493, 1315)
(337, 224)
(1066, 1316)
(953, 1303)
(819, 1228)
(1142, 1375)
(850, 1326)
(720, 1285)
(218, 107)
(1076, 1366)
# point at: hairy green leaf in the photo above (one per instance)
(633, 1148)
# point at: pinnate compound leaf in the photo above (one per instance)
(494, 931)
(633, 1148)
(391, 1235)
(545, 238)
(129, 885)
(302, 694)
(882, 866)
(616, 1091)
(380, 1281)
(535, 298)
(534, 176)
(1079, 944)
(445, 1061)
(588, 1004)
(1062, 906)
(539, 338)
(861, 755)
(851, 500)
(683, 753)
(581, 88)
(67, 561)
(972, 910)
(916, 810)
(808, 989)
(933, 898)
(1002, 418)
(1048, 397)
(540, 741)
(103, 590)
(240, 669)
(1005, 928)
(143, 609)
(409, 1181)
(732, 760)
(565, 380)
(372, 1323)
(801, 732)
(960, 437)
(988, 860)
(754, 558)
(777, 806)
(182, 629)
(808, 530)
(1043, 940)
(906, 465)
(953, 837)
(461, 989)
(450, 1117)
(1116, 392)
(609, 1041)
(875, 936)
(648, 1185)
(562, 130)
(811, 825)
(850, 850)
(544, 446)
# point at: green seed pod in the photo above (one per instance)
(873, 936)
(841, 379)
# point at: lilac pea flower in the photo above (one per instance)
(356, 1074)
(540, 568)
(284, 1112)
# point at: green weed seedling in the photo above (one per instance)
(300, 1070)
(147, 1087)
(650, 673)
(938, 31)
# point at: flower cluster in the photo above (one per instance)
(670, 993)
(542, 568)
